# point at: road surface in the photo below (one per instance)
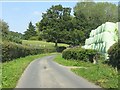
(45, 73)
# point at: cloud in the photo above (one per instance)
(37, 13)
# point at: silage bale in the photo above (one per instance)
(85, 46)
(102, 28)
(103, 47)
(91, 33)
(94, 32)
(98, 30)
(86, 42)
(110, 27)
(100, 47)
(91, 40)
(108, 45)
(116, 38)
(107, 37)
(92, 46)
(100, 39)
(95, 38)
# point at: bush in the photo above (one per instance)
(79, 54)
(60, 48)
(34, 38)
(114, 55)
(11, 51)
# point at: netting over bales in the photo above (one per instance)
(103, 37)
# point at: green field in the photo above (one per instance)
(100, 74)
(42, 43)
(12, 70)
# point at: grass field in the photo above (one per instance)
(12, 70)
(41, 43)
(100, 74)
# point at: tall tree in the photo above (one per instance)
(55, 21)
(97, 13)
(30, 31)
(4, 29)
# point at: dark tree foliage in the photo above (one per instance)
(30, 31)
(58, 25)
(4, 29)
(56, 21)
(114, 54)
(89, 15)
(9, 35)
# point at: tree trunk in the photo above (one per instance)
(56, 43)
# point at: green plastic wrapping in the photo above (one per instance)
(98, 30)
(91, 33)
(110, 27)
(103, 37)
(103, 47)
(102, 27)
(107, 37)
(108, 45)
(100, 47)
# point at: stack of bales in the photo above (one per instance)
(103, 37)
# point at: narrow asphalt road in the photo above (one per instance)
(45, 73)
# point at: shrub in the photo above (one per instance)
(34, 38)
(79, 54)
(60, 48)
(12, 50)
(114, 55)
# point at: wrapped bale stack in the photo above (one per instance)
(102, 38)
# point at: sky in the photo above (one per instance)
(19, 14)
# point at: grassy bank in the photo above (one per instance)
(42, 43)
(12, 70)
(100, 74)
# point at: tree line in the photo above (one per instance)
(58, 25)
(8, 35)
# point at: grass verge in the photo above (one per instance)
(12, 70)
(42, 43)
(100, 74)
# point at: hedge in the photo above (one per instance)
(79, 54)
(12, 50)
(114, 55)
(60, 48)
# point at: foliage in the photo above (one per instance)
(9, 35)
(15, 37)
(114, 57)
(87, 19)
(77, 37)
(12, 71)
(79, 54)
(100, 74)
(30, 32)
(12, 51)
(34, 38)
(55, 21)
(4, 28)
(60, 48)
